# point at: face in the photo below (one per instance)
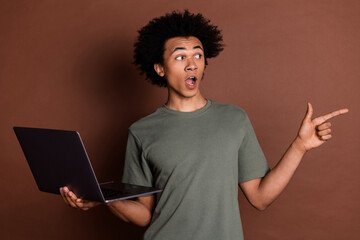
(183, 67)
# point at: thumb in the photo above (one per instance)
(309, 112)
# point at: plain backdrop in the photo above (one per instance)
(67, 65)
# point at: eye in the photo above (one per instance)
(198, 56)
(179, 58)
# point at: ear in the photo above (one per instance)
(159, 69)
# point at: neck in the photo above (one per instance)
(186, 104)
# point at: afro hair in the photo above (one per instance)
(149, 47)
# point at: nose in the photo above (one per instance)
(191, 65)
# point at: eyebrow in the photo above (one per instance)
(182, 48)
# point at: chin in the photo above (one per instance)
(191, 95)
(184, 93)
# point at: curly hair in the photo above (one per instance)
(149, 47)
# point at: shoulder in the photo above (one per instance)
(229, 110)
(151, 121)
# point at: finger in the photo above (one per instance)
(80, 203)
(323, 118)
(323, 126)
(66, 198)
(309, 112)
(73, 198)
(326, 137)
(69, 196)
(324, 132)
(62, 193)
(83, 204)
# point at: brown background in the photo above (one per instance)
(67, 65)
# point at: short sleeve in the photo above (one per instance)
(136, 168)
(252, 163)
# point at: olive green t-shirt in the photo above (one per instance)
(198, 159)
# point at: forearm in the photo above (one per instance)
(261, 192)
(132, 211)
(276, 180)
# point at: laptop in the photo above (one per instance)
(58, 158)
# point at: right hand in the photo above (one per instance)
(72, 200)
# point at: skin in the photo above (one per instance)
(137, 211)
(184, 57)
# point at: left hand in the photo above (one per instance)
(315, 132)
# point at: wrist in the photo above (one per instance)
(299, 145)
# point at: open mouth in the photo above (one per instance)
(191, 81)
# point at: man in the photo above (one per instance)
(197, 150)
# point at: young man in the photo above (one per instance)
(197, 150)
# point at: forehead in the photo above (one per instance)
(185, 42)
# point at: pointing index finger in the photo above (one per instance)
(326, 117)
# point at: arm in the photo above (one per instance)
(137, 211)
(261, 192)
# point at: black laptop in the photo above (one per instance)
(58, 158)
